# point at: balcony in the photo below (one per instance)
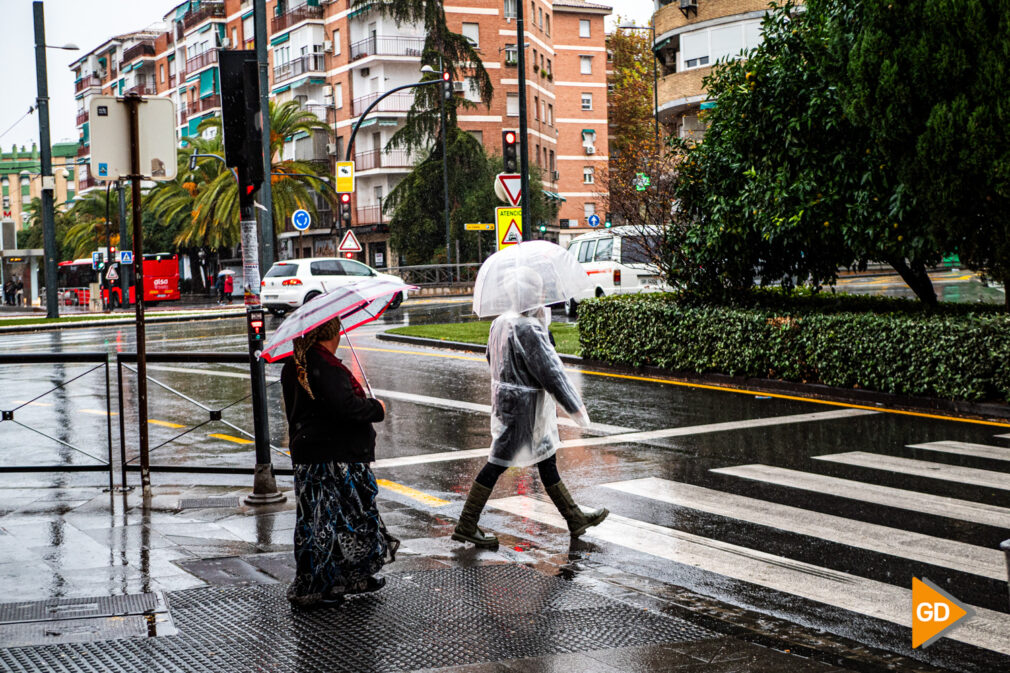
(142, 90)
(138, 50)
(671, 17)
(201, 61)
(387, 46)
(82, 116)
(171, 81)
(206, 11)
(204, 104)
(299, 66)
(87, 183)
(677, 88)
(371, 215)
(293, 16)
(398, 102)
(364, 161)
(83, 150)
(86, 82)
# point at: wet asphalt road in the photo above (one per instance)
(823, 519)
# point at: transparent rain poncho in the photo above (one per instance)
(561, 277)
(527, 376)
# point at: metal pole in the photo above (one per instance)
(124, 269)
(106, 285)
(265, 195)
(655, 82)
(524, 159)
(133, 102)
(46, 159)
(445, 172)
(108, 424)
(122, 422)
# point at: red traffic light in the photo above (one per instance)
(349, 255)
(510, 137)
(249, 189)
(445, 76)
(345, 198)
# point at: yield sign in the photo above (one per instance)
(512, 184)
(349, 243)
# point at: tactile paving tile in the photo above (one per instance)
(427, 619)
(200, 503)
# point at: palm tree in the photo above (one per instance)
(87, 229)
(206, 198)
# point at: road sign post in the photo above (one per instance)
(509, 230)
(301, 220)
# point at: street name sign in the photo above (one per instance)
(509, 187)
(110, 138)
(345, 177)
(301, 219)
(479, 226)
(349, 243)
(509, 226)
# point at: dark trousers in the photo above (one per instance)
(548, 467)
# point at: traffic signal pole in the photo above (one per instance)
(524, 157)
(124, 269)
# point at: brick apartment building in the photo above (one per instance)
(335, 60)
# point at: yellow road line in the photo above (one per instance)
(33, 404)
(725, 389)
(166, 424)
(97, 412)
(420, 496)
(229, 438)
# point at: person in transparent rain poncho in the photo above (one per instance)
(527, 376)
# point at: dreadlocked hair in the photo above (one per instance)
(303, 344)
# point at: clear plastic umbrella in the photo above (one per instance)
(355, 305)
(524, 276)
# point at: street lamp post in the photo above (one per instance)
(46, 158)
(655, 71)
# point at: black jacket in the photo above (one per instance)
(337, 424)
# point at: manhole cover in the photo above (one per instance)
(199, 503)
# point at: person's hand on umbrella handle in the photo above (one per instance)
(383, 404)
(581, 417)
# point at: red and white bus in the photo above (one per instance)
(161, 281)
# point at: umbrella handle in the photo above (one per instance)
(364, 378)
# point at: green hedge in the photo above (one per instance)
(962, 356)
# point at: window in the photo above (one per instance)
(553, 166)
(543, 109)
(327, 267)
(511, 54)
(510, 9)
(638, 249)
(352, 268)
(282, 55)
(471, 31)
(588, 209)
(336, 41)
(234, 38)
(470, 90)
(538, 155)
(587, 249)
(542, 62)
(549, 70)
(161, 70)
(478, 136)
(512, 104)
(548, 24)
(588, 175)
(540, 11)
(706, 46)
(536, 108)
(583, 27)
(248, 29)
(534, 57)
(586, 65)
(550, 115)
(338, 95)
(603, 249)
(587, 101)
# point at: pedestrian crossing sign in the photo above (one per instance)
(509, 226)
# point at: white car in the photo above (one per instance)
(618, 261)
(291, 283)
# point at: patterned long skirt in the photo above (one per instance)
(340, 540)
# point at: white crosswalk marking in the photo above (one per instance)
(966, 449)
(922, 468)
(868, 597)
(883, 539)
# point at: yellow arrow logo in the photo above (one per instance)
(934, 612)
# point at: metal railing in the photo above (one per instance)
(299, 66)
(204, 104)
(201, 61)
(364, 161)
(387, 46)
(371, 215)
(142, 89)
(82, 116)
(399, 102)
(11, 416)
(139, 49)
(295, 15)
(87, 82)
(206, 11)
(436, 275)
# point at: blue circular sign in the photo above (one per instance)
(594, 220)
(301, 219)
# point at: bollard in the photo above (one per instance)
(1005, 546)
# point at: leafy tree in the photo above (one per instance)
(34, 236)
(926, 79)
(630, 99)
(786, 187)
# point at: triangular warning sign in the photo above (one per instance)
(933, 612)
(112, 274)
(349, 243)
(512, 234)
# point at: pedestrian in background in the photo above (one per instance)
(219, 287)
(229, 286)
(19, 291)
(526, 377)
(340, 539)
(8, 292)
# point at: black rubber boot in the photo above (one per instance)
(466, 529)
(578, 518)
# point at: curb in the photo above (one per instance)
(115, 321)
(813, 391)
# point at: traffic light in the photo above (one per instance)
(345, 209)
(446, 85)
(508, 151)
(542, 228)
(240, 119)
(607, 223)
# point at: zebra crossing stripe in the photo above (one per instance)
(863, 596)
(922, 468)
(873, 537)
(925, 503)
(966, 449)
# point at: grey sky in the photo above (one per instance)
(88, 23)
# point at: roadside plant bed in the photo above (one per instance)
(476, 332)
(955, 357)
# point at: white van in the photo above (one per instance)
(618, 261)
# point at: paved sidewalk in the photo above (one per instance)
(198, 584)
